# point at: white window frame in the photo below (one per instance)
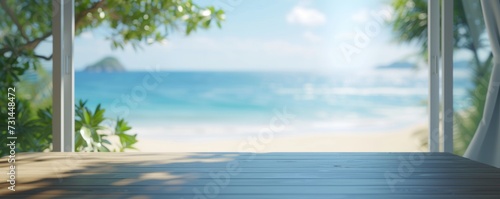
(440, 45)
(63, 103)
(447, 70)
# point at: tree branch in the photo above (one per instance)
(79, 17)
(33, 44)
(44, 57)
(28, 46)
(14, 19)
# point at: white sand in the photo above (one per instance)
(398, 141)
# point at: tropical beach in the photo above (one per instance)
(403, 140)
(221, 111)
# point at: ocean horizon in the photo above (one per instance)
(176, 105)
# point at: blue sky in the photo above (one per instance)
(263, 35)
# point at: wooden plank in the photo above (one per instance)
(303, 189)
(256, 181)
(149, 156)
(322, 155)
(353, 175)
(270, 175)
(262, 196)
(108, 168)
(242, 157)
(278, 162)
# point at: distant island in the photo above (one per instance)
(398, 65)
(458, 65)
(107, 64)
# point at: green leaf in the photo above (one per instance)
(86, 117)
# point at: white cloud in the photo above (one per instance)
(361, 16)
(305, 16)
(87, 35)
(310, 36)
(246, 45)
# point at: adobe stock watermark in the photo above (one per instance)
(11, 118)
(251, 145)
(362, 37)
(407, 166)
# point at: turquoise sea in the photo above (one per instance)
(215, 105)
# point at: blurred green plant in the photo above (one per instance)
(26, 24)
(94, 136)
(34, 131)
(410, 25)
(36, 87)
